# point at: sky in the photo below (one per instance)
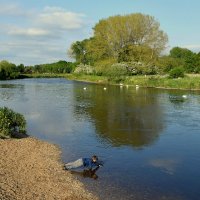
(41, 31)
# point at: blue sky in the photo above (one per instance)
(41, 31)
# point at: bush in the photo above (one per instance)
(116, 70)
(84, 69)
(176, 72)
(102, 65)
(11, 122)
(140, 68)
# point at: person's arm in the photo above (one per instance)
(95, 169)
(99, 164)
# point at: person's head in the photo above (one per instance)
(94, 159)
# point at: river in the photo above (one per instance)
(149, 139)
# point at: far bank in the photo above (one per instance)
(189, 82)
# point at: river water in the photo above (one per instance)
(149, 139)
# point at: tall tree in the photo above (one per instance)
(133, 37)
(117, 32)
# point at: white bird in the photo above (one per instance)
(85, 88)
(184, 96)
(121, 84)
(105, 88)
(137, 86)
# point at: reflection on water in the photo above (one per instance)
(167, 165)
(148, 141)
(122, 117)
(8, 91)
(87, 173)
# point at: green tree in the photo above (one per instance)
(182, 53)
(133, 37)
(21, 68)
(57, 67)
(8, 70)
(135, 29)
(167, 63)
(78, 51)
(189, 58)
(197, 69)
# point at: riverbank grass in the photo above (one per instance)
(189, 82)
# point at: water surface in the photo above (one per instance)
(148, 138)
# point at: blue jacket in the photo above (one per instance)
(87, 162)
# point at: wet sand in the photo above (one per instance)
(31, 169)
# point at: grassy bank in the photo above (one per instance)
(189, 82)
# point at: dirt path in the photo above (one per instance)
(30, 170)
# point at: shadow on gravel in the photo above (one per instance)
(15, 135)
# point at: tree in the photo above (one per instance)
(134, 37)
(78, 51)
(8, 70)
(137, 29)
(189, 58)
(167, 63)
(20, 68)
(182, 53)
(135, 53)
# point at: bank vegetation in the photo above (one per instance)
(123, 49)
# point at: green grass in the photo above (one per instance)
(190, 82)
(45, 75)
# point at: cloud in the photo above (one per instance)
(55, 17)
(31, 36)
(29, 32)
(12, 10)
(52, 21)
(32, 52)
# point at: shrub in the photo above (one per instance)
(102, 65)
(116, 70)
(176, 72)
(84, 69)
(11, 122)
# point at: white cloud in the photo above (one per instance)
(32, 52)
(55, 17)
(29, 32)
(32, 36)
(12, 10)
(52, 21)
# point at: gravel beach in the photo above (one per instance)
(31, 169)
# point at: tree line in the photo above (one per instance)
(57, 67)
(11, 71)
(120, 46)
(131, 44)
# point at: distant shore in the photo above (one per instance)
(31, 169)
(189, 82)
